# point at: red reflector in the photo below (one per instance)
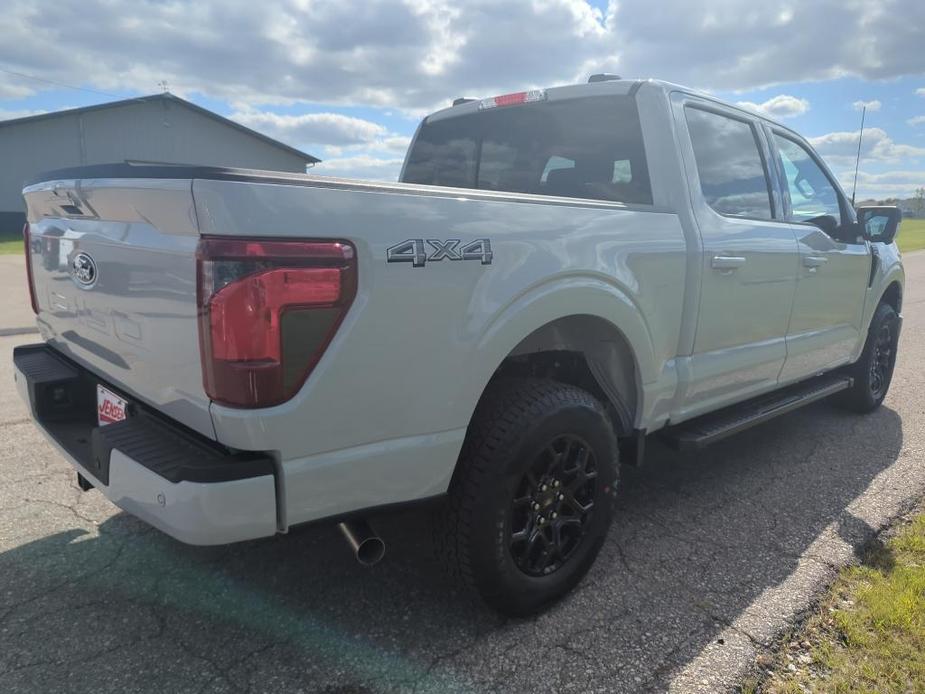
(268, 310)
(27, 244)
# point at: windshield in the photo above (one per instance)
(582, 148)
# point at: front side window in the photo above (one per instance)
(584, 148)
(729, 163)
(812, 194)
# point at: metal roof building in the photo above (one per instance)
(162, 128)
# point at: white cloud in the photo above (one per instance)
(312, 128)
(869, 105)
(916, 120)
(10, 114)
(780, 106)
(920, 91)
(361, 166)
(336, 133)
(916, 178)
(13, 90)
(395, 143)
(840, 148)
(417, 54)
(889, 184)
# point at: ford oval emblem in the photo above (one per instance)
(83, 270)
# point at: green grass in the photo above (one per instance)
(10, 243)
(868, 635)
(911, 235)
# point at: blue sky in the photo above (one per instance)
(349, 80)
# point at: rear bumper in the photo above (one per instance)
(181, 483)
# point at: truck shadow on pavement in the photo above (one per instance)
(696, 540)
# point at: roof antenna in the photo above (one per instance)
(857, 161)
(163, 85)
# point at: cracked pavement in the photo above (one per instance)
(711, 555)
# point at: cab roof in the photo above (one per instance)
(609, 86)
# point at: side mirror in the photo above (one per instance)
(880, 224)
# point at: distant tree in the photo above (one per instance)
(918, 202)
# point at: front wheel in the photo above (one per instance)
(873, 372)
(531, 500)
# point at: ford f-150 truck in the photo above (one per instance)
(559, 274)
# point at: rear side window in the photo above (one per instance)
(581, 148)
(730, 165)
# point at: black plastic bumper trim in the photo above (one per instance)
(62, 396)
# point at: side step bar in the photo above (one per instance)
(715, 426)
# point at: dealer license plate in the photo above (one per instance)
(109, 406)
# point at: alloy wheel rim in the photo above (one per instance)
(553, 505)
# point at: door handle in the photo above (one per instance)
(727, 262)
(814, 261)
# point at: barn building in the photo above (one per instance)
(162, 128)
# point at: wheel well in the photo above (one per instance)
(585, 351)
(893, 296)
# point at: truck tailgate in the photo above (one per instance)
(114, 271)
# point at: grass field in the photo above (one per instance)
(911, 235)
(868, 634)
(10, 243)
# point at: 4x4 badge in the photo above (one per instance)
(415, 252)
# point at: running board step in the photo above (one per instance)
(715, 426)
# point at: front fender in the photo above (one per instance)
(889, 271)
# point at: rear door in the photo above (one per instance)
(114, 268)
(749, 261)
(834, 271)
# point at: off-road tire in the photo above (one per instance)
(870, 387)
(516, 420)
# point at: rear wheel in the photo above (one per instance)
(531, 500)
(873, 372)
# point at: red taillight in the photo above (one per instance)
(27, 244)
(267, 311)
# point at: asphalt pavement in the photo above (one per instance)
(710, 557)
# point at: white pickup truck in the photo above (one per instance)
(561, 273)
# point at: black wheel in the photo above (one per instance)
(873, 372)
(532, 497)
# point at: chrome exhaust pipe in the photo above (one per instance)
(367, 546)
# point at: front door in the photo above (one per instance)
(749, 261)
(825, 328)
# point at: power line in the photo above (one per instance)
(58, 84)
